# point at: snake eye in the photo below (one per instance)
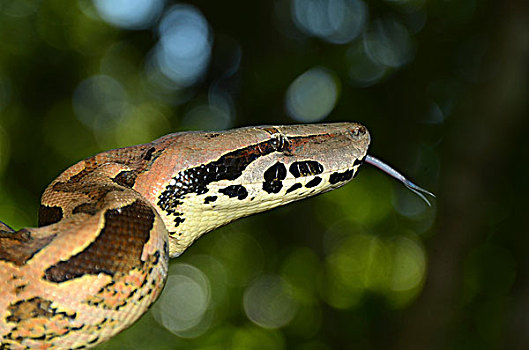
(279, 142)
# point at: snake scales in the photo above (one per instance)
(109, 224)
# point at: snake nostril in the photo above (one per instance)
(358, 131)
(362, 130)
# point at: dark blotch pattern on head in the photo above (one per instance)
(233, 191)
(359, 161)
(179, 219)
(341, 177)
(314, 182)
(294, 187)
(195, 180)
(210, 199)
(274, 177)
(305, 168)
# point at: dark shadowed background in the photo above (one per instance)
(442, 85)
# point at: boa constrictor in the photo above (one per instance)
(109, 224)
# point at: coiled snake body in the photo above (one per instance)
(109, 224)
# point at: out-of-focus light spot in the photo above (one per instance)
(160, 87)
(268, 302)
(142, 124)
(409, 265)
(371, 263)
(363, 71)
(388, 43)
(217, 115)
(184, 49)
(352, 268)
(445, 94)
(337, 21)
(366, 202)
(312, 96)
(436, 114)
(129, 14)
(184, 301)
(88, 8)
(222, 100)
(19, 8)
(394, 268)
(339, 232)
(217, 276)
(206, 117)
(408, 203)
(99, 102)
(226, 60)
(299, 270)
(308, 321)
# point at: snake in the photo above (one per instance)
(108, 225)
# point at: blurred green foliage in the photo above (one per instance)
(442, 86)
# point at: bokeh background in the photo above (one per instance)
(441, 84)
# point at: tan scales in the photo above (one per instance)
(110, 223)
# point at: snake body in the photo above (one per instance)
(109, 224)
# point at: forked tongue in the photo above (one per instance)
(395, 174)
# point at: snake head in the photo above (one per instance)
(219, 177)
